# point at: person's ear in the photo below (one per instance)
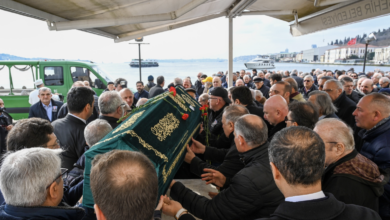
(275, 172)
(240, 140)
(294, 124)
(377, 116)
(237, 102)
(99, 213)
(340, 148)
(53, 191)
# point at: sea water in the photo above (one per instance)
(184, 69)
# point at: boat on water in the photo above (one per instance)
(261, 62)
(144, 63)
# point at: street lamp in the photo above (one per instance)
(371, 37)
(139, 54)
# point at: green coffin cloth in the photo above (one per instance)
(158, 131)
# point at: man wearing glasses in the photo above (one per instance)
(339, 178)
(308, 86)
(112, 108)
(37, 193)
(384, 82)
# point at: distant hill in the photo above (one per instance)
(382, 38)
(190, 60)
(244, 58)
(4, 56)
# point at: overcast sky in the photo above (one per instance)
(27, 37)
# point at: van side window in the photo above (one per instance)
(83, 74)
(22, 80)
(54, 76)
(4, 82)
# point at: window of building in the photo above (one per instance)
(54, 76)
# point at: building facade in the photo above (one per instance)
(314, 54)
(345, 52)
(382, 55)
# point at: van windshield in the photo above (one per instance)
(103, 74)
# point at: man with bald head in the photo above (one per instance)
(340, 153)
(345, 105)
(249, 194)
(367, 86)
(127, 96)
(239, 82)
(372, 115)
(275, 112)
(248, 83)
(216, 83)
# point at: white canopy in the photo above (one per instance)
(124, 20)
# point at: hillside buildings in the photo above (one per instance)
(345, 52)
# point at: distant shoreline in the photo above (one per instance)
(340, 64)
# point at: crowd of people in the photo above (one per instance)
(279, 145)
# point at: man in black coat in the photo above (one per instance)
(304, 198)
(275, 112)
(347, 83)
(308, 87)
(70, 130)
(158, 89)
(112, 108)
(259, 83)
(251, 193)
(228, 157)
(46, 108)
(344, 105)
(266, 81)
(298, 79)
(218, 100)
(348, 172)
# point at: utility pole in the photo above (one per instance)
(139, 55)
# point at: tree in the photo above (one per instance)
(353, 56)
(336, 42)
(331, 43)
(370, 56)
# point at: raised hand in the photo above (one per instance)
(189, 155)
(213, 176)
(197, 147)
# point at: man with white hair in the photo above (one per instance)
(345, 105)
(111, 107)
(248, 83)
(31, 181)
(46, 108)
(308, 86)
(142, 101)
(375, 79)
(384, 82)
(340, 155)
(178, 82)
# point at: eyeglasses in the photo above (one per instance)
(321, 86)
(306, 80)
(64, 174)
(328, 90)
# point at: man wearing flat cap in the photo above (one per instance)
(191, 92)
(110, 87)
(218, 100)
(259, 83)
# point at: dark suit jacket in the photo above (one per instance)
(64, 111)
(328, 208)
(111, 120)
(70, 133)
(267, 82)
(155, 91)
(299, 80)
(38, 111)
(345, 108)
(355, 96)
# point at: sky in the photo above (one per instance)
(28, 37)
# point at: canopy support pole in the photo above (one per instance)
(230, 82)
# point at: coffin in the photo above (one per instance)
(158, 130)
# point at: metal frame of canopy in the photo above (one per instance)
(124, 20)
